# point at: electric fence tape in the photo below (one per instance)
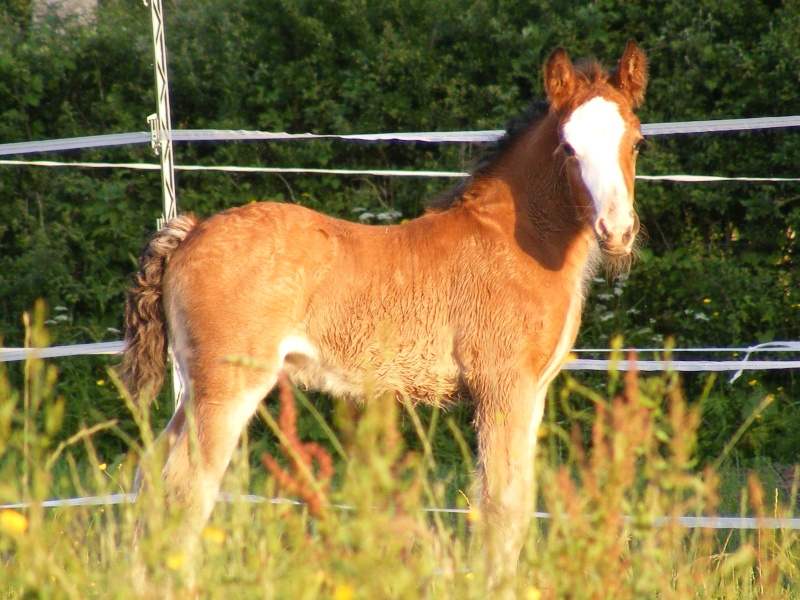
(579, 364)
(689, 522)
(215, 135)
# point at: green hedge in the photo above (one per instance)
(718, 267)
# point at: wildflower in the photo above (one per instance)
(388, 216)
(533, 593)
(474, 515)
(102, 466)
(752, 382)
(176, 561)
(343, 592)
(214, 535)
(101, 382)
(706, 300)
(13, 521)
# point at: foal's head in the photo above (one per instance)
(600, 139)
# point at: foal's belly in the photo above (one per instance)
(378, 371)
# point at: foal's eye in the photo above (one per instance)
(569, 151)
(641, 146)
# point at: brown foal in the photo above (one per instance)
(480, 298)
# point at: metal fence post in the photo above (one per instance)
(161, 131)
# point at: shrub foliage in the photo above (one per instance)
(718, 268)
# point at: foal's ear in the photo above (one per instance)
(630, 76)
(559, 78)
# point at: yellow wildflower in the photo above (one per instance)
(533, 593)
(101, 382)
(215, 535)
(102, 466)
(176, 561)
(13, 521)
(343, 592)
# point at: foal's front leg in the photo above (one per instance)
(507, 433)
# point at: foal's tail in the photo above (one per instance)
(145, 323)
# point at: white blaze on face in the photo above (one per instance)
(594, 131)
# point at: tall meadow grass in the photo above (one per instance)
(361, 524)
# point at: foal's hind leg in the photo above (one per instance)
(154, 458)
(222, 401)
(162, 446)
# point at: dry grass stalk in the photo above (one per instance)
(296, 480)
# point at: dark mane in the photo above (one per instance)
(492, 154)
(589, 70)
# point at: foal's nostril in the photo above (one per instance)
(601, 229)
(626, 237)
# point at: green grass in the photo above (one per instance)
(635, 456)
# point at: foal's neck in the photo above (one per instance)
(530, 193)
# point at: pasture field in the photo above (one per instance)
(363, 531)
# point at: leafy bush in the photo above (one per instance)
(718, 267)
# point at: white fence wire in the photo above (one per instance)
(738, 366)
(360, 172)
(690, 522)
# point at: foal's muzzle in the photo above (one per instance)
(616, 238)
